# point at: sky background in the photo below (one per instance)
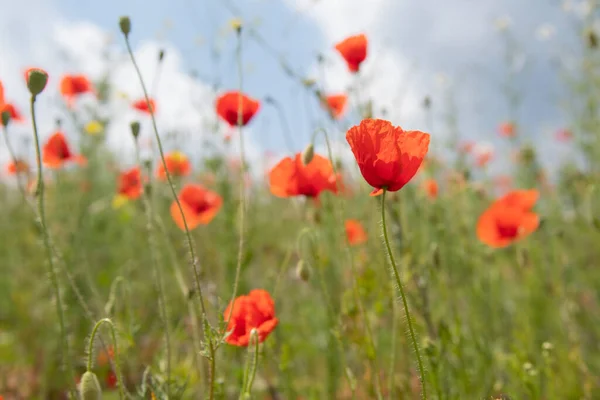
(454, 52)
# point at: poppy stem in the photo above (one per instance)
(90, 359)
(251, 366)
(402, 296)
(49, 256)
(14, 160)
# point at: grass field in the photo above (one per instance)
(504, 307)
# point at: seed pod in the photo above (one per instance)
(36, 80)
(135, 129)
(5, 118)
(125, 24)
(89, 388)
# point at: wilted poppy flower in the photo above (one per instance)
(564, 135)
(72, 86)
(142, 105)
(508, 219)
(177, 165)
(354, 51)
(336, 104)
(388, 157)
(199, 206)
(430, 187)
(130, 184)
(254, 311)
(17, 167)
(56, 152)
(228, 106)
(290, 177)
(507, 129)
(355, 233)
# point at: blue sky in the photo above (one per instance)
(429, 48)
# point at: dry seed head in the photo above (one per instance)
(89, 388)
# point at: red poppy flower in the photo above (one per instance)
(71, 86)
(430, 187)
(142, 105)
(508, 219)
(388, 157)
(507, 129)
(355, 233)
(199, 206)
(130, 183)
(564, 135)
(228, 106)
(111, 380)
(336, 104)
(354, 51)
(177, 165)
(56, 152)
(10, 108)
(17, 167)
(290, 177)
(254, 311)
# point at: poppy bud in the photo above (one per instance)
(308, 154)
(5, 118)
(592, 39)
(302, 271)
(135, 129)
(125, 24)
(161, 55)
(236, 24)
(427, 102)
(36, 80)
(89, 388)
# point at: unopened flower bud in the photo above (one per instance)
(308, 154)
(36, 80)
(302, 271)
(125, 24)
(135, 129)
(89, 388)
(161, 54)
(5, 118)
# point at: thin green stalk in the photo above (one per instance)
(147, 202)
(116, 353)
(402, 296)
(14, 159)
(253, 366)
(49, 257)
(393, 349)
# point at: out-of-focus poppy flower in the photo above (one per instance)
(72, 86)
(503, 182)
(508, 219)
(56, 152)
(290, 177)
(564, 135)
(10, 108)
(336, 104)
(254, 311)
(466, 147)
(111, 380)
(483, 154)
(94, 128)
(142, 105)
(105, 355)
(130, 184)
(354, 51)
(199, 206)
(507, 129)
(430, 188)
(17, 167)
(388, 157)
(177, 165)
(228, 106)
(355, 233)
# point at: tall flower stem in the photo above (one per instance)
(64, 347)
(402, 296)
(14, 159)
(116, 352)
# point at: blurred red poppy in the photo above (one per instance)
(111, 380)
(388, 157)
(336, 104)
(130, 184)
(508, 219)
(142, 105)
(10, 108)
(564, 135)
(507, 129)
(290, 177)
(355, 233)
(177, 165)
(254, 311)
(199, 206)
(430, 187)
(17, 167)
(56, 152)
(228, 106)
(354, 51)
(72, 86)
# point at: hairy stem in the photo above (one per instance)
(116, 353)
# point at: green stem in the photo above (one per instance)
(46, 238)
(14, 159)
(254, 366)
(116, 352)
(393, 349)
(402, 296)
